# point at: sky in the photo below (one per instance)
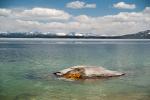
(101, 17)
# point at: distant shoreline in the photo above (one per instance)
(139, 35)
(67, 39)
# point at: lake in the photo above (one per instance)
(26, 66)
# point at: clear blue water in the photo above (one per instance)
(26, 66)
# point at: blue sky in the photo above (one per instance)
(102, 17)
(104, 7)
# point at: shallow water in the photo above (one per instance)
(26, 66)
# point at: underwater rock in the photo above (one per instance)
(25, 96)
(87, 72)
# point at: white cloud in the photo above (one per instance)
(90, 6)
(147, 10)
(121, 23)
(46, 13)
(123, 5)
(79, 5)
(4, 12)
(36, 14)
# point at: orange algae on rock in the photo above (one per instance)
(74, 76)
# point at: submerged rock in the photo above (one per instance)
(25, 96)
(87, 72)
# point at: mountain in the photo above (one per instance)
(139, 35)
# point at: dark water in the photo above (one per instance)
(26, 66)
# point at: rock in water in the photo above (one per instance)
(25, 96)
(87, 72)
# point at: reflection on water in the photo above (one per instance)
(26, 66)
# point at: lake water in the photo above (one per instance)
(26, 66)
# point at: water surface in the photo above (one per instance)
(26, 66)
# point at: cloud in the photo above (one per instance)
(90, 6)
(80, 5)
(123, 5)
(46, 13)
(36, 14)
(119, 24)
(122, 23)
(4, 12)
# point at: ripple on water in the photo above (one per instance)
(25, 96)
